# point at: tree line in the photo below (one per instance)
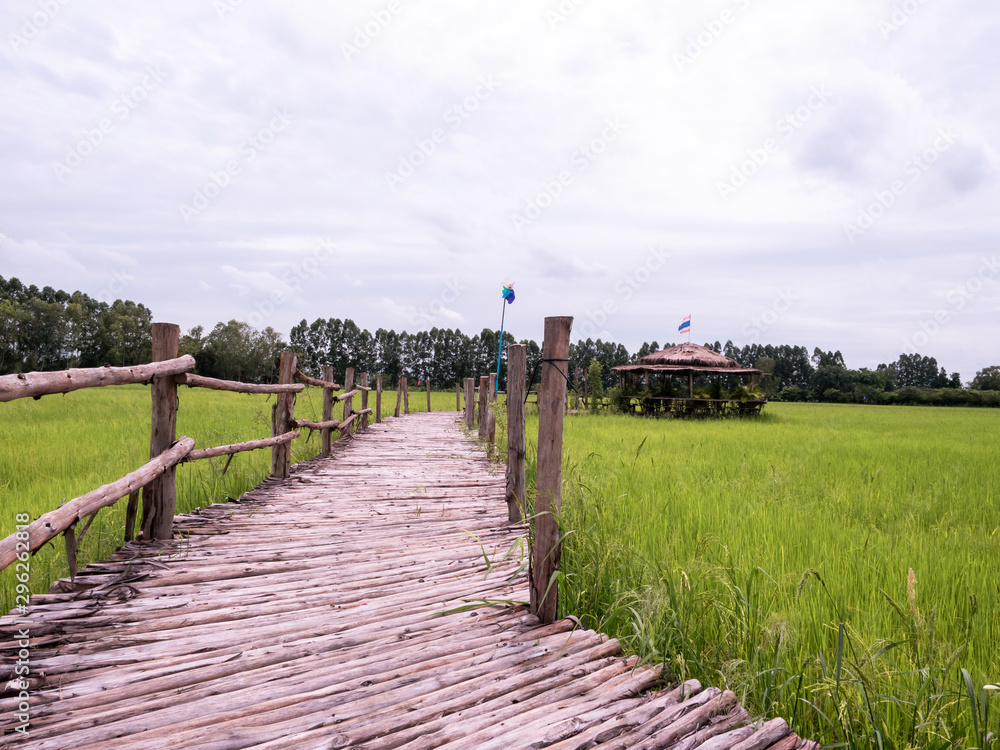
(51, 329)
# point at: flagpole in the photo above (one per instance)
(503, 312)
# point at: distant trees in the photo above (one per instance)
(987, 379)
(235, 351)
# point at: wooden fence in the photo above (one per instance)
(156, 478)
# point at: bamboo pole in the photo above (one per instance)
(347, 427)
(552, 403)
(50, 525)
(378, 398)
(517, 376)
(327, 433)
(159, 497)
(38, 384)
(281, 419)
(470, 401)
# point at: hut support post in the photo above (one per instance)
(517, 374)
(159, 497)
(690, 385)
(546, 554)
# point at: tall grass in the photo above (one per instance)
(63, 446)
(835, 565)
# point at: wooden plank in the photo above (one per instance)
(551, 406)
(53, 523)
(199, 381)
(159, 497)
(517, 376)
(250, 445)
(38, 384)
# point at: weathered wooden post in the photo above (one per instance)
(470, 401)
(326, 432)
(546, 554)
(458, 397)
(399, 396)
(378, 398)
(406, 396)
(428, 395)
(348, 402)
(282, 414)
(484, 387)
(364, 400)
(491, 417)
(517, 376)
(159, 497)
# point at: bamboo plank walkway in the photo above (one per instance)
(306, 616)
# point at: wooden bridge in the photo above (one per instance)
(372, 599)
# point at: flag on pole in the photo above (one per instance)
(508, 292)
(685, 325)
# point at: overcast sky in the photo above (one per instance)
(820, 173)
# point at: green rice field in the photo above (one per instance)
(837, 565)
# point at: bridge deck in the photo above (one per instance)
(306, 616)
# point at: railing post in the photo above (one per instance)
(399, 396)
(428, 395)
(491, 417)
(484, 386)
(282, 414)
(406, 396)
(349, 402)
(326, 432)
(546, 554)
(458, 397)
(470, 403)
(159, 497)
(378, 398)
(517, 376)
(364, 400)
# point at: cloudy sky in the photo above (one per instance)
(820, 173)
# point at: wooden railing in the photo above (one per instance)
(156, 478)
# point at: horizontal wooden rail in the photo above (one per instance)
(345, 396)
(51, 524)
(363, 388)
(250, 445)
(333, 424)
(346, 423)
(364, 411)
(38, 384)
(200, 381)
(302, 377)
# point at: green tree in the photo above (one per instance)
(987, 379)
(595, 384)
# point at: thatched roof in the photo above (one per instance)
(689, 355)
(687, 358)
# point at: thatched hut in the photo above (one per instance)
(693, 361)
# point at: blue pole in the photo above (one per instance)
(496, 385)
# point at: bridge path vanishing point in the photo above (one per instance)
(305, 616)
